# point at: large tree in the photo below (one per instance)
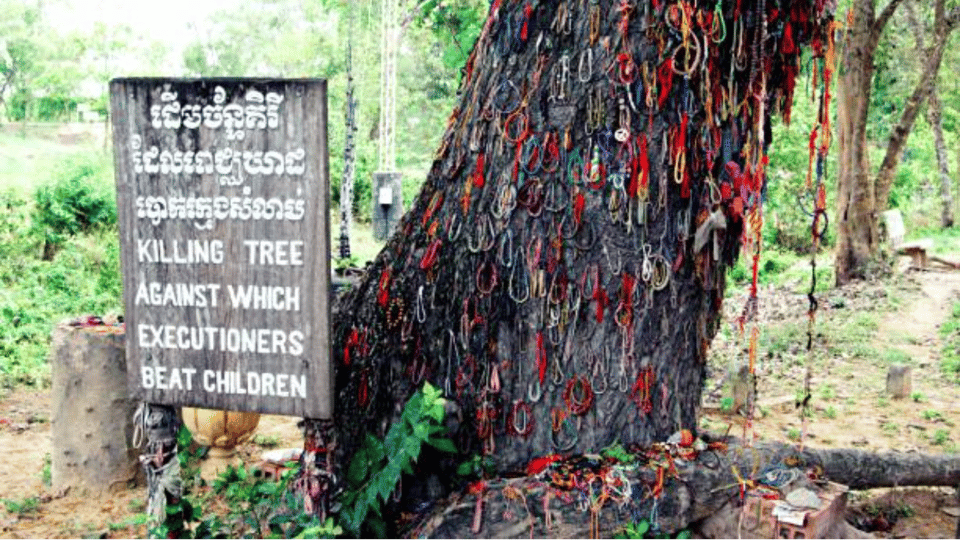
(862, 195)
(561, 272)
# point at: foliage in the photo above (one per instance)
(254, 506)
(940, 437)
(619, 453)
(45, 474)
(22, 507)
(642, 529)
(375, 470)
(242, 504)
(266, 441)
(477, 467)
(950, 335)
(458, 23)
(78, 199)
(83, 277)
(788, 203)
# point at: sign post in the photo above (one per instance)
(223, 197)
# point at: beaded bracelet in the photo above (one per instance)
(394, 312)
(519, 420)
(578, 395)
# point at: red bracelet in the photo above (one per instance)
(578, 395)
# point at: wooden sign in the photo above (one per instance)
(222, 194)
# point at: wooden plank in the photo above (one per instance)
(223, 197)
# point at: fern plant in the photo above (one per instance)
(375, 470)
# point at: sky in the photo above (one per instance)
(166, 21)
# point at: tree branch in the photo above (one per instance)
(410, 16)
(881, 21)
(916, 27)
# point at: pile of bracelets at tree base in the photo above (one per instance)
(561, 273)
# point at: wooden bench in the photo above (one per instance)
(918, 250)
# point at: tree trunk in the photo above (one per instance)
(862, 197)
(935, 118)
(858, 233)
(694, 491)
(349, 155)
(561, 272)
(944, 23)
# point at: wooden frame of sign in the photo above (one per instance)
(223, 201)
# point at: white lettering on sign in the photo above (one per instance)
(258, 112)
(264, 297)
(205, 211)
(157, 377)
(154, 293)
(212, 338)
(275, 252)
(152, 250)
(254, 383)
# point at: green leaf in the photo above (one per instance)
(444, 445)
(643, 527)
(421, 431)
(375, 449)
(385, 486)
(412, 448)
(466, 468)
(358, 469)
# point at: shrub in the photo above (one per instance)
(79, 198)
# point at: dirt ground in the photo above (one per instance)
(850, 409)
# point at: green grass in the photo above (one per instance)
(940, 437)
(25, 161)
(830, 412)
(827, 392)
(784, 338)
(945, 241)
(266, 441)
(363, 246)
(894, 356)
(22, 507)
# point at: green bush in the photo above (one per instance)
(79, 198)
(950, 335)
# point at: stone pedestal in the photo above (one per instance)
(92, 412)
(899, 381)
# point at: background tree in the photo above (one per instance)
(861, 196)
(935, 119)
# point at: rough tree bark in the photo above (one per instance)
(861, 196)
(935, 118)
(349, 155)
(561, 272)
(858, 235)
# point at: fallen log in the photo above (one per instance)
(594, 496)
